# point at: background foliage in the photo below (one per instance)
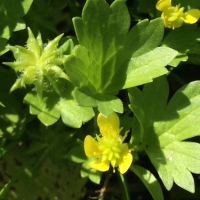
(63, 62)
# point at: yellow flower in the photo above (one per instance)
(108, 149)
(174, 16)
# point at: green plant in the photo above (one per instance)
(114, 62)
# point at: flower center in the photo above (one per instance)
(173, 16)
(112, 150)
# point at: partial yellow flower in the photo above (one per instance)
(108, 149)
(174, 16)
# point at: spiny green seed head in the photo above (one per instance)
(36, 60)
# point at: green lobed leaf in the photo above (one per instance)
(144, 68)
(106, 104)
(76, 68)
(50, 107)
(83, 99)
(163, 129)
(45, 108)
(98, 31)
(72, 114)
(181, 57)
(141, 106)
(149, 181)
(99, 64)
(145, 36)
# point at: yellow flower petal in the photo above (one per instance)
(125, 164)
(90, 146)
(192, 16)
(163, 4)
(108, 125)
(101, 166)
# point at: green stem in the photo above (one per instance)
(123, 182)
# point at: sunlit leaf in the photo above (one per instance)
(163, 129)
(144, 68)
(108, 60)
(100, 63)
(149, 181)
(51, 107)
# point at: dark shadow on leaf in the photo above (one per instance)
(10, 13)
(152, 115)
(3, 43)
(12, 119)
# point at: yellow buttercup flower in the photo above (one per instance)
(108, 149)
(174, 16)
